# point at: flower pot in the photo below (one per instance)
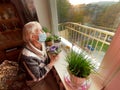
(77, 81)
(57, 41)
(57, 44)
(49, 43)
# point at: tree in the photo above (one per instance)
(108, 15)
(63, 7)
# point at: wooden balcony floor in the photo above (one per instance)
(49, 83)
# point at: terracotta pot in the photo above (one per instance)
(57, 41)
(49, 43)
(77, 80)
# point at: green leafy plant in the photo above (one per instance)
(49, 38)
(45, 29)
(56, 38)
(79, 65)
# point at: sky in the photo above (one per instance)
(75, 2)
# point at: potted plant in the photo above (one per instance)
(49, 40)
(79, 67)
(57, 39)
(46, 30)
(54, 50)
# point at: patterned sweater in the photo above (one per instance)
(34, 67)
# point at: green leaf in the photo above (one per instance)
(79, 65)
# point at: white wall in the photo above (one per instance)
(111, 64)
(43, 12)
(114, 83)
(47, 14)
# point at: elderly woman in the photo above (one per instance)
(34, 60)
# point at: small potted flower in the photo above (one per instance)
(55, 50)
(57, 39)
(49, 40)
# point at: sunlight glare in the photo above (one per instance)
(75, 2)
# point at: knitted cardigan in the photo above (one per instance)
(35, 67)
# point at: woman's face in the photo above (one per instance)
(38, 32)
(36, 38)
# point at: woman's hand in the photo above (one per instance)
(53, 57)
(53, 52)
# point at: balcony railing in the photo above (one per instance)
(94, 41)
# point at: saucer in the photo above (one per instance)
(84, 86)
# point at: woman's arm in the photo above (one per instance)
(37, 70)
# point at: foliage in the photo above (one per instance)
(54, 50)
(79, 65)
(99, 44)
(45, 29)
(56, 38)
(63, 7)
(49, 38)
(100, 13)
(109, 16)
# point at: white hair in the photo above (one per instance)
(29, 29)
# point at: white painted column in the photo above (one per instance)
(43, 12)
(54, 16)
(47, 14)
